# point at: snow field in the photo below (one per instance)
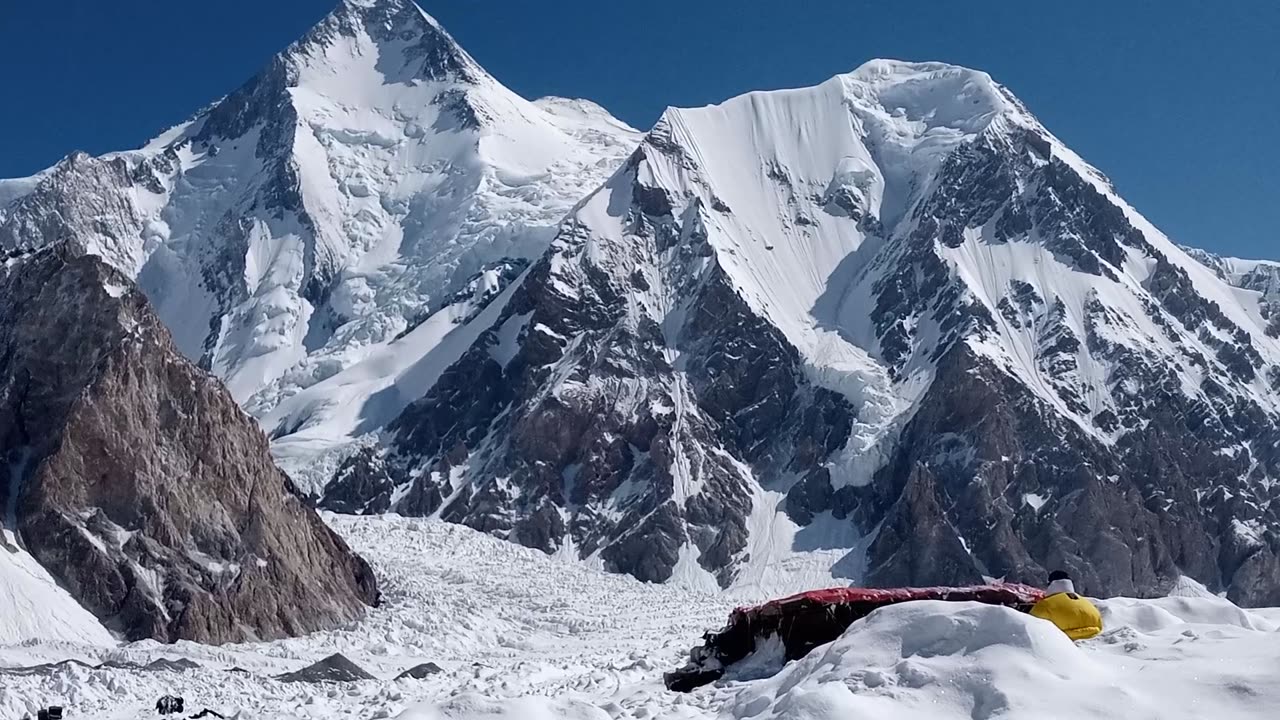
(504, 622)
(521, 635)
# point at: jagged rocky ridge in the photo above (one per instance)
(136, 480)
(894, 300)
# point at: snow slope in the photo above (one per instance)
(801, 189)
(503, 622)
(521, 635)
(35, 607)
(317, 427)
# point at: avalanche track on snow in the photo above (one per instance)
(519, 634)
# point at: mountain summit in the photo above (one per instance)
(369, 172)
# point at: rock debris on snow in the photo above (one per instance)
(334, 668)
(420, 672)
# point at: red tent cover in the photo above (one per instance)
(813, 618)
(998, 593)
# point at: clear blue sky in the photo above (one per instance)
(1177, 100)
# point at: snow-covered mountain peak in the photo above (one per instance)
(928, 95)
(583, 110)
(428, 51)
(356, 56)
(873, 137)
(893, 297)
(839, 304)
(329, 204)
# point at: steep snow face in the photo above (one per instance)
(36, 607)
(801, 189)
(336, 200)
(893, 301)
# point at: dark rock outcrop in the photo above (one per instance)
(335, 668)
(139, 484)
(419, 672)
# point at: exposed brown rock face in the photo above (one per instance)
(137, 481)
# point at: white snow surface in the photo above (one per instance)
(521, 635)
(13, 189)
(34, 607)
(967, 660)
(320, 424)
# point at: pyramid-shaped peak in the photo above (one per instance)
(389, 15)
(430, 52)
(403, 43)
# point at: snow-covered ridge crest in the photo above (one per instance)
(930, 94)
(899, 120)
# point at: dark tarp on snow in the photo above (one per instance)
(813, 618)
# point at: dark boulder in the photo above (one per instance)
(335, 668)
(419, 672)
